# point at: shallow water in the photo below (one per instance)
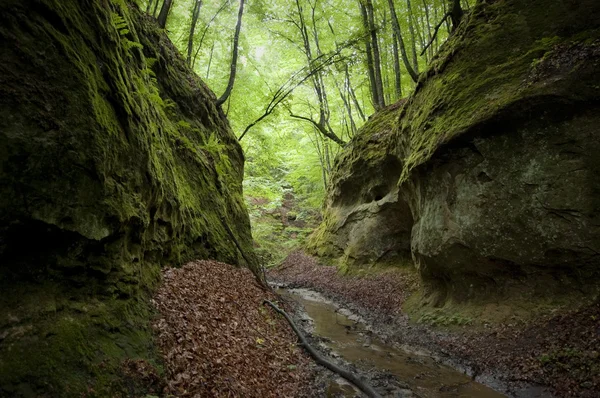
(347, 336)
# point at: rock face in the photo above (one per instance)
(366, 221)
(495, 155)
(114, 160)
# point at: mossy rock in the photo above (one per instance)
(114, 161)
(365, 222)
(494, 156)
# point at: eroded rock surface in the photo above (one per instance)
(114, 160)
(494, 155)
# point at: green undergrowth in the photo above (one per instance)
(279, 226)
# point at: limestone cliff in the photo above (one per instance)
(487, 175)
(114, 161)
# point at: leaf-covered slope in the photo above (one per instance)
(113, 161)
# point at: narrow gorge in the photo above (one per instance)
(416, 185)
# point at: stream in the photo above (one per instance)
(350, 339)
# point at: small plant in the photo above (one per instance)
(122, 27)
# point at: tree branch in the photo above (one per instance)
(236, 39)
(294, 81)
(352, 378)
(435, 32)
(319, 126)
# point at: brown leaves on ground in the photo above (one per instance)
(561, 351)
(218, 340)
(383, 292)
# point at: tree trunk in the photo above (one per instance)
(195, 16)
(164, 13)
(347, 106)
(428, 21)
(353, 95)
(396, 25)
(322, 125)
(456, 14)
(413, 38)
(369, 51)
(155, 8)
(205, 30)
(236, 39)
(397, 72)
(212, 49)
(376, 55)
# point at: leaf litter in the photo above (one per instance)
(218, 340)
(560, 351)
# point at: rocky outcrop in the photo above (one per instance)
(496, 158)
(114, 160)
(365, 221)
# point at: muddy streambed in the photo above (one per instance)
(350, 340)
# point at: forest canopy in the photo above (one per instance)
(336, 62)
(298, 78)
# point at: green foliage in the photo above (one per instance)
(122, 26)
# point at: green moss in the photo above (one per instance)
(62, 341)
(126, 165)
(489, 66)
(366, 167)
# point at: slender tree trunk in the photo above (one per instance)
(397, 72)
(435, 19)
(236, 39)
(413, 38)
(155, 8)
(327, 157)
(322, 125)
(195, 16)
(164, 13)
(321, 157)
(385, 60)
(419, 24)
(149, 6)
(446, 19)
(205, 30)
(370, 65)
(210, 57)
(347, 106)
(376, 55)
(396, 25)
(456, 13)
(428, 21)
(353, 96)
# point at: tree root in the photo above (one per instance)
(352, 378)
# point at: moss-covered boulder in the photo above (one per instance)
(365, 221)
(114, 160)
(496, 154)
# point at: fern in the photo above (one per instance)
(120, 24)
(122, 27)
